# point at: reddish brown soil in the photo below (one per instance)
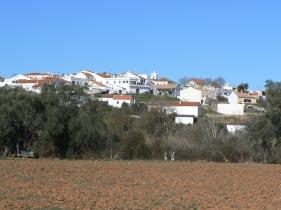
(62, 184)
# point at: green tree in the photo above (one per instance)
(243, 87)
(133, 146)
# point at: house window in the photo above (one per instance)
(246, 100)
(123, 81)
(114, 82)
(117, 102)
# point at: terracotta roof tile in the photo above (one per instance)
(46, 80)
(26, 81)
(245, 95)
(122, 97)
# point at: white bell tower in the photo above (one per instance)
(154, 76)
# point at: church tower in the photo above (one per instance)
(154, 76)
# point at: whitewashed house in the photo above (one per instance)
(242, 98)
(116, 100)
(126, 83)
(163, 86)
(191, 94)
(28, 84)
(186, 112)
(94, 87)
(131, 82)
(34, 85)
(105, 97)
(119, 100)
(12, 81)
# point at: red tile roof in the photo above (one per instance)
(246, 95)
(39, 83)
(122, 97)
(26, 81)
(255, 94)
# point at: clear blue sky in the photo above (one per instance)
(239, 40)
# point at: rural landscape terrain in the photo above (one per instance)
(140, 105)
(67, 184)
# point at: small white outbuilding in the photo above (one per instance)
(186, 112)
(232, 129)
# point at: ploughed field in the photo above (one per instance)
(65, 184)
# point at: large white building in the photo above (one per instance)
(126, 83)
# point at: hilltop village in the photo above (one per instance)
(185, 100)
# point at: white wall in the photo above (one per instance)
(118, 103)
(191, 94)
(231, 109)
(113, 102)
(234, 128)
(184, 120)
(184, 110)
(233, 98)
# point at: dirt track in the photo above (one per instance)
(62, 184)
